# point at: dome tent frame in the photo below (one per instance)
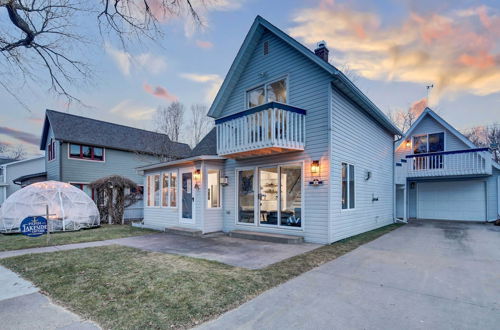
(70, 208)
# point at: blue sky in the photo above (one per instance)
(451, 44)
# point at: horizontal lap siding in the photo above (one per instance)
(430, 125)
(164, 217)
(492, 197)
(116, 162)
(357, 139)
(308, 87)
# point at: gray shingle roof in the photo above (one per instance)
(207, 145)
(82, 130)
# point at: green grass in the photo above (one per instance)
(18, 241)
(126, 288)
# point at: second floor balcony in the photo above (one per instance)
(450, 163)
(263, 130)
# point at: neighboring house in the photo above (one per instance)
(298, 149)
(79, 150)
(440, 174)
(16, 174)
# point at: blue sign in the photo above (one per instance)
(33, 226)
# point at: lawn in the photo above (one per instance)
(18, 241)
(126, 288)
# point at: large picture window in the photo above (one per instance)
(213, 184)
(428, 143)
(348, 186)
(275, 91)
(79, 151)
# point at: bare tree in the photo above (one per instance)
(200, 123)
(486, 137)
(45, 36)
(169, 120)
(403, 119)
(17, 152)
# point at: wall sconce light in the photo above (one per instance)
(315, 167)
(197, 178)
(408, 143)
(224, 181)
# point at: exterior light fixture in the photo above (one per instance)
(197, 178)
(224, 181)
(315, 167)
(408, 143)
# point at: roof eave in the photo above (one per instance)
(180, 162)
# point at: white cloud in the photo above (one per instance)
(213, 82)
(129, 110)
(456, 51)
(145, 61)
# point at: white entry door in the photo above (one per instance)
(458, 200)
(187, 197)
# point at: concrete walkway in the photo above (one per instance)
(22, 306)
(425, 275)
(237, 252)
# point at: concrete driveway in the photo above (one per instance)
(425, 275)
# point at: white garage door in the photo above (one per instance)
(462, 200)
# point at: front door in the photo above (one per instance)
(187, 197)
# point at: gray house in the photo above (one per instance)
(15, 174)
(79, 150)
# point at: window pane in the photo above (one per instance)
(74, 150)
(255, 97)
(291, 195)
(98, 153)
(173, 189)
(276, 91)
(268, 193)
(420, 144)
(87, 152)
(436, 142)
(213, 184)
(157, 190)
(246, 196)
(164, 191)
(344, 186)
(351, 186)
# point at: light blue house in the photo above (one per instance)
(285, 155)
(440, 174)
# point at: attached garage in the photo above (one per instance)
(452, 200)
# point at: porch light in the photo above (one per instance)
(224, 181)
(197, 178)
(315, 167)
(408, 143)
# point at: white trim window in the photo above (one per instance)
(274, 91)
(51, 150)
(153, 190)
(169, 189)
(428, 143)
(213, 189)
(348, 186)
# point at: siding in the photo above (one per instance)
(492, 196)
(308, 88)
(16, 170)
(359, 140)
(212, 217)
(53, 167)
(163, 217)
(430, 125)
(116, 162)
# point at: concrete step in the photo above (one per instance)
(183, 231)
(267, 237)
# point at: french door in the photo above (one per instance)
(271, 196)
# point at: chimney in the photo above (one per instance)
(322, 51)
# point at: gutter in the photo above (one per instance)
(178, 162)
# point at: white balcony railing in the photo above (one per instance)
(268, 128)
(460, 162)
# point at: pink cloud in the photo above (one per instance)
(204, 44)
(482, 60)
(159, 92)
(418, 107)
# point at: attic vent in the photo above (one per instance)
(266, 47)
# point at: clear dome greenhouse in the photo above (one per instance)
(69, 207)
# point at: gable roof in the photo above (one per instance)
(259, 26)
(77, 129)
(429, 112)
(207, 145)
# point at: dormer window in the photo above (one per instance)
(275, 91)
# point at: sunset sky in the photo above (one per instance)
(392, 48)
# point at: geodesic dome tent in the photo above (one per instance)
(69, 207)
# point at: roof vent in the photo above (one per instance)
(321, 50)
